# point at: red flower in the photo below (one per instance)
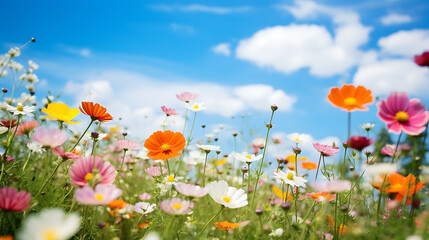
(95, 111)
(359, 142)
(422, 60)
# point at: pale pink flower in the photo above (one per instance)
(402, 114)
(144, 207)
(191, 190)
(81, 171)
(128, 145)
(12, 200)
(176, 206)
(389, 149)
(59, 151)
(333, 186)
(101, 195)
(145, 196)
(49, 137)
(169, 111)
(26, 127)
(326, 150)
(155, 172)
(186, 96)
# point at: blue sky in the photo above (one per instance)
(240, 56)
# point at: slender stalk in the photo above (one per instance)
(296, 164)
(318, 165)
(335, 218)
(343, 172)
(10, 139)
(122, 163)
(26, 162)
(187, 141)
(83, 134)
(259, 172)
(47, 180)
(204, 174)
(248, 177)
(199, 234)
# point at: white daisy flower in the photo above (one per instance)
(290, 177)
(299, 138)
(229, 197)
(16, 66)
(21, 110)
(144, 207)
(195, 107)
(367, 126)
(50, 224)
(14, 52)
(277, 233)
(247, 158)
(33, 65)
(208, 147)
(35, 147)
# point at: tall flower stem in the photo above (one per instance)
(10, 139)
(83, 134)
(248, 177)
(204, 174)
(259, 172)
(26, 162)
(205, 226)
(47, 180)
(318, 165)
(122, 163)
(296, 164)
(335, 218)
(343, 171)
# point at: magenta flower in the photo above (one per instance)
(402, 114)
(326, 150)
(191, 190)
(422, 60)
(359, 142)
(155, 172)
(59, 151)
(12, 200)
(26, 127)
(333, 186)
(49, 137)
(176, 206)
(101, 195)
(169, 111)
(186, 96)
(128, 145)
(81, 171)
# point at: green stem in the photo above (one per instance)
(10, 139)
(46, 182)
(343, 172)
(26, 162)
(204, 174)
(199, 234)
(318, 165)
(83, 134)
(248, 177)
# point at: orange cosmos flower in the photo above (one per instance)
(96, 112)
(144, 224)
(165, 145)
(396, 183)
(322, 196)
(309, 165)
(117, 204)
(225, 225)
(350, 98)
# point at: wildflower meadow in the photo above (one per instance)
(57, 183)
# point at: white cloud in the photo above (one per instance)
(182, 28)
(290, 48)
(405, 43)
(140, 97)
(201, 8)
(82, 52)
(222, 48)
(395, 19)
(385, 76)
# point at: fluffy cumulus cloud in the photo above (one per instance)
(395, 19)
(138, 100)
(292, 47)
(222, 48)
(385, 76)
(405, 43)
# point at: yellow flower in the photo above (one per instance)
(292, 158)
(221, 162)
(61, 112)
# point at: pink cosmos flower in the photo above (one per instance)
(49, 137)
(359, 142)
(169, 111)
(12, 200)
(101, 195)
(326, 150)
(81, 171)
(186, 96)
(59, 151)
(389, 149)
(402, 114)
(144, 207)
(155, 172)
(333, 186)
(145, 196)
(191, 190)
(176, 206)
(128, 145)
(422, 60)
(26, 127)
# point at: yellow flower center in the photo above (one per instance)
(402, 116)
(350, 101)
(177, 206)
(50, 235)
(170, 178)
(226, 198)
(196, 106)
(20, 108)
(165, 147)
(290, 176)
(99, 197)
(296, 139)
(249, 156)
(89, 176)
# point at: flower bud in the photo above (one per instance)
(281, 166)
(344, 208)
(216, 139)
(259, 211)
(296, 150)
(285, 206)
(94, 135)
(217, 151)
(280, 160)
(4, 90)
(285, 162)
(203, 126)
(274, 107)
(345, 144)
(124, 134)
(367, 153)
(352, 168)
(244, 169)
(234, 134)
(33, 39)
(268, 125)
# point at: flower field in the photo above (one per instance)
(103, 183)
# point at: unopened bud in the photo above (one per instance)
(285, 206)
(259, 211)
(234, 134)
(296, 150)
(217, 151)
(345, 144)
(352, 168)
(4, 90)
(94, 135)
(280, 160)
(124, 134)
(281, 166)
(33, 39)
(274, 107)
(203, 126)
(268, 125)
(344, 208)
(367, 153)
(244, 169)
